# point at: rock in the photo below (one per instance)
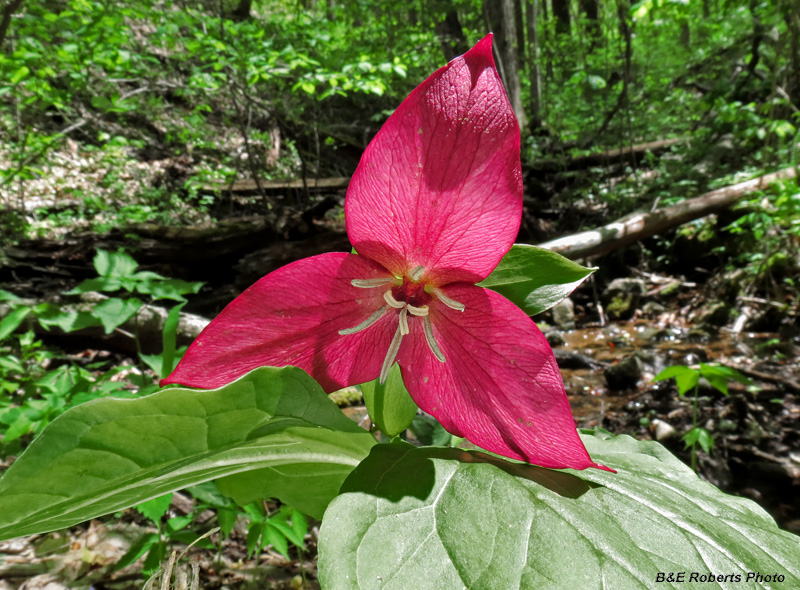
(625, 374)
(564, 314)
(555, 338)
(652, 309)
(634, 286)
(656, 335)
(569, 359)
(662, 430)
(622, 296)
(715, 313)
(671, 288)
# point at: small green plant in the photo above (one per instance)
(688, 379)
(36, 384)
(172, 530)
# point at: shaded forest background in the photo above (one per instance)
(170, 153)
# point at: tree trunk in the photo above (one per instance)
(638, 226)
(791, 14)
(562, 16)
(500, 17)
(448, 29)
(5, 20)
(242, 11)
(534, 71)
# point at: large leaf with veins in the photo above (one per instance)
(272, 433)
(433, 518)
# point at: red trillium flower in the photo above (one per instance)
(432, 208)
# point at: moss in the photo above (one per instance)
(349, 396)
(620, 305)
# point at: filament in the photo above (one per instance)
(451, 303)
(420, 312)
(372, 283)
(391, 354)
(366, 323)
(416, 273)
(390, 300)
(404, 320)
(437, 352)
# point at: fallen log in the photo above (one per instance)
(638, 226)
(633, 153)
(147, 324)
(251, 186)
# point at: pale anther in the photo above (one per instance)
(418, 311)
(391, 355)
(372, 283)
(451, 303)
(392, 301)
(437, 352)
(366, 323)
(416, 273)
(404, 320)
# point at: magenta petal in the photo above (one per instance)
(440, 186)
(500, 386)
(292, 317)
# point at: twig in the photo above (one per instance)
(768, 377)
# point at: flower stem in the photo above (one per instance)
(694, 426)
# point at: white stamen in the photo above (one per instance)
(391, 355)
(372, 283)
(405, 309)
(420, 312)
(431, 340)
(451, 303)
(366, 323)
(404, 320)
(392, 301)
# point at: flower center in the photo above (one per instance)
(406, 296)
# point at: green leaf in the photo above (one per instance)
(279, 522)
(117, 265)
(156, 508)
(274, 424)
(718, 376)
(12, 321)
(686, 378)
(106, 284)
(687, 381)
(535, 278)
(389, 405)
(253, 540)
(138, 549)
(114, 312)
(154, 362)
(173, 289)
(18, 428)
(273, 536)
(699, 436)
(50, 315)
(169, 338)
(8, 296)
(675, 371)
(431, 518)
(226, 518)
